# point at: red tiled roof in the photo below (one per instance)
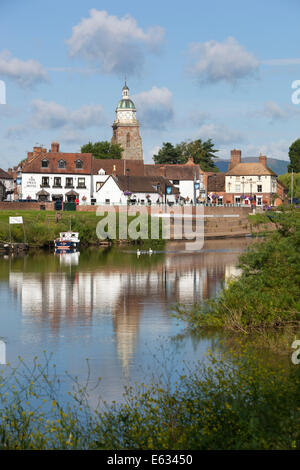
(4, 175)
(174, 172)
(144, 184)
(135, 167)
(216, 182)
(250, 169)
(35, 164)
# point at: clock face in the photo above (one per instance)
(125, 115)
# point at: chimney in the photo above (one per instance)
(55, 147)
(37, 151)
(263, 159)
(235, 158)
(190, 161)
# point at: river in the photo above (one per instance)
(111, 307)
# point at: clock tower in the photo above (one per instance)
(126, 128)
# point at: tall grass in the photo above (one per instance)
(234, 402)
(267, 293)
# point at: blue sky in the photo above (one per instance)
(195, 69)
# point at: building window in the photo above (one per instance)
(79, 164)
(176, 182)
(61, 164)
(128, 140)
(69, 182)
(45, 163)
(57, 182)
(259, 188)
(45, 181)
(81, 183)
(99, 185)
(238, 187)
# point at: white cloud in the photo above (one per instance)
(227, 61)
(50, 115)
(153, 151)
(154, 107)
(275, 112)
(279, 149)
(118, 45)
(220, 134)
(25, 73)
(70, 136)
(15, 132)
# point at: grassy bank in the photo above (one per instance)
(267, 293)
(234, 402)
(42, 227)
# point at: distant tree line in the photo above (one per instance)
(103, 149)
(203, 153)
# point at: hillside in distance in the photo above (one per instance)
(278, 166)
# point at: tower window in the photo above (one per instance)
(128, 140)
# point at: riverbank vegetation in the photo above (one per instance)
(42, 227)
(237, 401)
(267, 293)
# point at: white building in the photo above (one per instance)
(245, 182)
(56, 176)
(134, 189)
(6, 186)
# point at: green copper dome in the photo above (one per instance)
(126, 104)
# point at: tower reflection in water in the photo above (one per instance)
(123, 290)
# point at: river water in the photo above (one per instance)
(111, 307)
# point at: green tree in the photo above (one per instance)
(294, 154)
(203, 153)
(103, 149)
(168, 154)
(286, 179)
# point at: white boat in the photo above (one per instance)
(67, 241)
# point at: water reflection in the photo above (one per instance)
(108, 305)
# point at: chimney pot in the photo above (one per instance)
(235, 158)
(55, 147)
(263, 159)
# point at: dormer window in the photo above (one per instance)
(45, 163)
(79, 164)
(61, 164)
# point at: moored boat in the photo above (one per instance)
(67, 241)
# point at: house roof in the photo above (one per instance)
(143, 184)
(120, 167)
(4, 175)
(250, 169)
(174, 172)
(216, 182)
(34, 165)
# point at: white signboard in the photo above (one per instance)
(16, 220)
